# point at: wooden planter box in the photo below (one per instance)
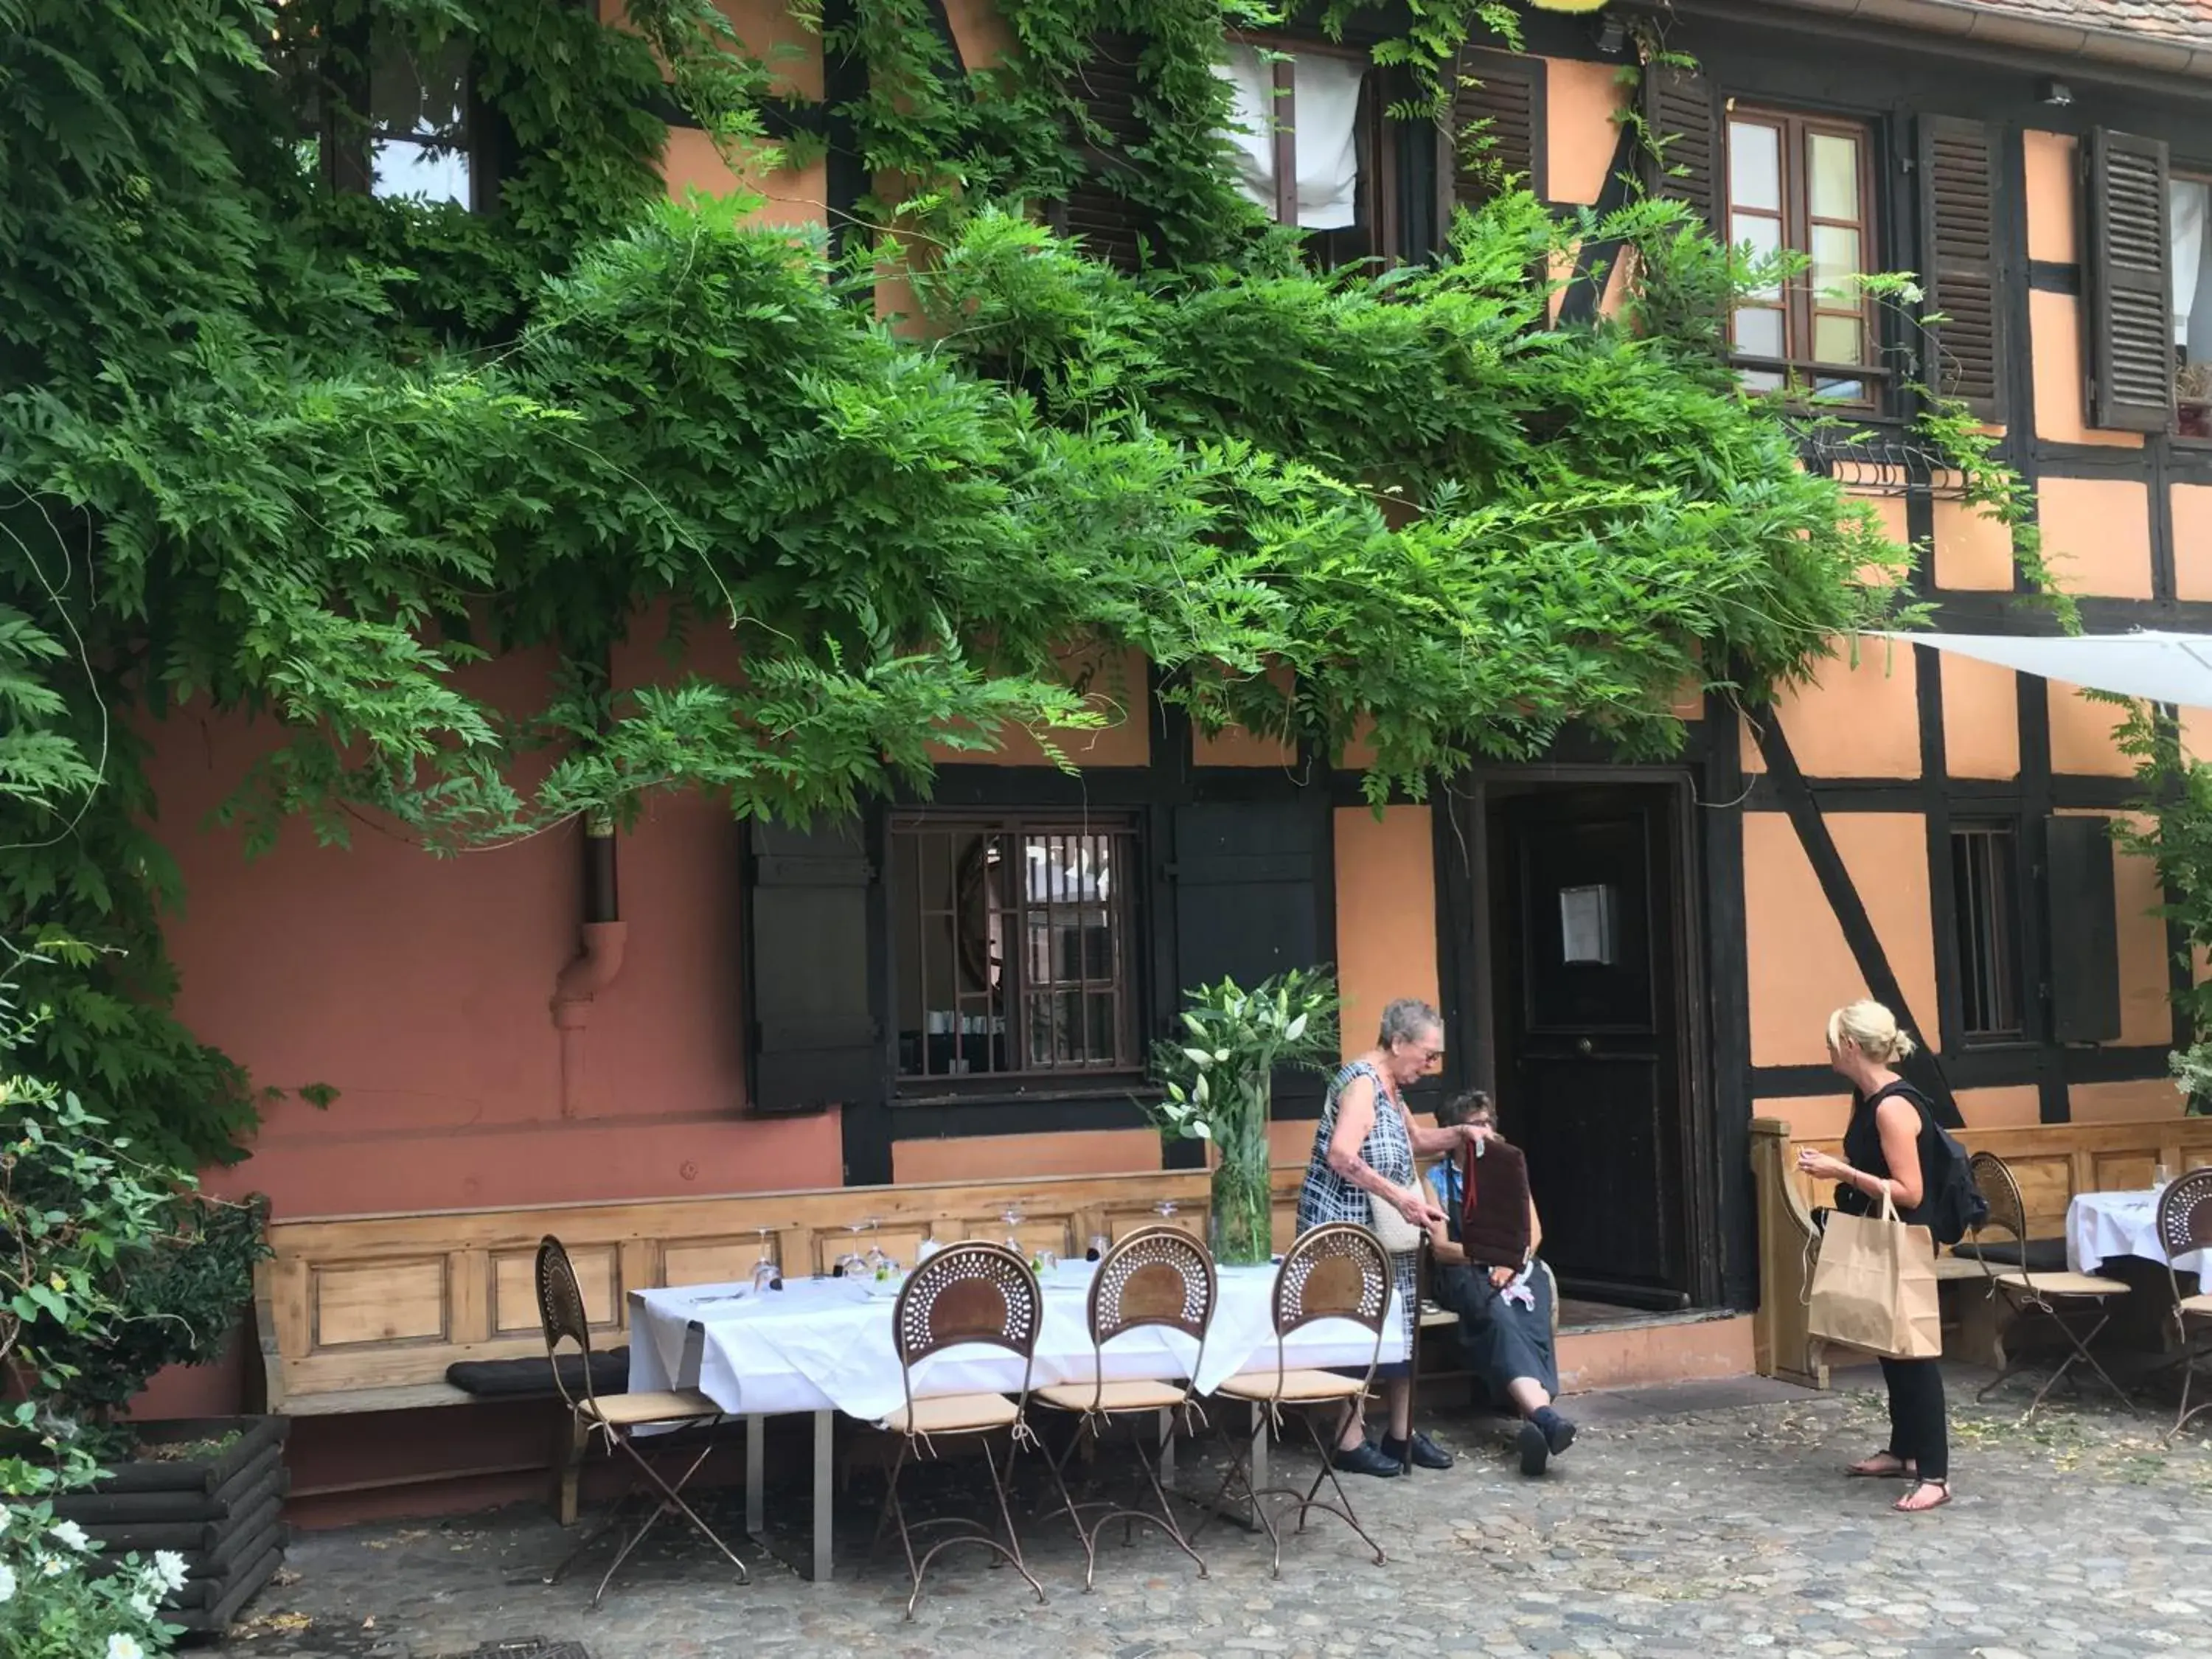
(223, 1512)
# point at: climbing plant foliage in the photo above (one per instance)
(273, 451)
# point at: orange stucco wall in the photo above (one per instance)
(1582, 127)
(1972, 550)
(2082, 734)
(1386, 915)
(2051, 215)
(2096, 535)
(2061, 414)
(2191, 505)
(1860, 718)
(1981, 719)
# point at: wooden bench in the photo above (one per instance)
(2051, 1162)
(366, 1313)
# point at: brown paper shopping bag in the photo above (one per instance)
(1874, 1286)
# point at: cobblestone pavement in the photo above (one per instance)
(1680, 1524)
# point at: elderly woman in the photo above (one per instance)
(1363, 1150)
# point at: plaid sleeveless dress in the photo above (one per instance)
(1326, 1196)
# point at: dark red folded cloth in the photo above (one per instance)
(1493, 1223)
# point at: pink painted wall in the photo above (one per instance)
(420, 988)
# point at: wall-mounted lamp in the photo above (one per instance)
(2056, 94)
(1612, 35)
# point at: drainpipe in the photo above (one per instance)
(599, 959)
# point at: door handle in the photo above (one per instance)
(1582, 1045)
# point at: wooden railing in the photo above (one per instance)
(2051, 1162)
(365, 1313)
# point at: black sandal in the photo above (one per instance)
(1942, 1486)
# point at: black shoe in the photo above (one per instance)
(1561, 1434)
(1535, 1450)
(1367, 1458)
(1427, 1453)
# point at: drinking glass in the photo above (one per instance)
(879, 1265)
(766, 1275)
(852, 1264)
(1165, 1209)
(2159, 1176)
(1046, 1261)
(1099, 1245)
(1011, 1215)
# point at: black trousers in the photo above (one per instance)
(1917, 1429)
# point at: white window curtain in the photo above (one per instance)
(2190, 213)
(1323, 117)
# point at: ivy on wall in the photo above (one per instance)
(270, 448)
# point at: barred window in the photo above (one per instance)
(1014, 947)
(1984, 865)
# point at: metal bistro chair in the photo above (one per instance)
(2069, 1300)
(973, 1292)
(1154, 1278)
(1336, 1271)
(2185, 1224)
(618, 1418)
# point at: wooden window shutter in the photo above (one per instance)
(2130, 325)
(1253, 892)
(1677, 109)
(1502, 95)
(1959, 263)
(1103, 217)
(2084, 932)
(815, 1041)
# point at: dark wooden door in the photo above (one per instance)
(1590, 1045)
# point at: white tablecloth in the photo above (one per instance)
(2101, 1225)
(823, 1344)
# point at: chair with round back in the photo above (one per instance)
(1157, 1277)
(2075, 1305)
(2184, 1227)
(966, 1294)
(617, 1419)
(1337, 1271)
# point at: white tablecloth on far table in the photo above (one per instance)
(823, 1344)
(2101, 1225)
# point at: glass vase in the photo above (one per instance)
(1240, 1223)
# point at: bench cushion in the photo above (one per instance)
(516, 1379)
(2045, 1255)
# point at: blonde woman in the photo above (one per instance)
(1890, 1147)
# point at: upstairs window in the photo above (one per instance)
(1313, 146)
(1804, 184)
(2189, 221)
(1984, 891)
(418, 131)
(1013, 946)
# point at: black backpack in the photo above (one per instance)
(1952, 1206)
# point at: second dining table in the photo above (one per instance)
(820, 1347)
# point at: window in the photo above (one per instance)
(1313, 146)
(1804, 184)
(1014, 947)
(2189, 225)
(1984, 894)
(382, 114)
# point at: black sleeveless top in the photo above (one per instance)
(1863, 1150)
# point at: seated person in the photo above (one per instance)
(1504, 1306)
(1446, 1179)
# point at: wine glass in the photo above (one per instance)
(853, 1265)
(1011, 1215)
(1165, 1209)
(879, 1265)
(767, 1275)
(1099, 1245)
(2159, 1176)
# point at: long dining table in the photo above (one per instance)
(821, 1346)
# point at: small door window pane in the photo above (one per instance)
(1836, 339)
(1754, 165)
(1833, 162)
(1759, 332)
(1835, 261)
(1762, 239)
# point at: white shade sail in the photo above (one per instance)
(2161, 667)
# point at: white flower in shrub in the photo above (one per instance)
(120, 1646)
(143, 1604)
(7, 1576)
(52, 1566)
(167, 1571)
(68, 1533)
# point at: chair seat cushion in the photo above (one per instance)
(1297, 1385)
(655, 1406)
(2063, 1284)
(2038, 1255)
(516, 1379)
(2197, 1307)
(1130, 1394)
(955, 1414)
